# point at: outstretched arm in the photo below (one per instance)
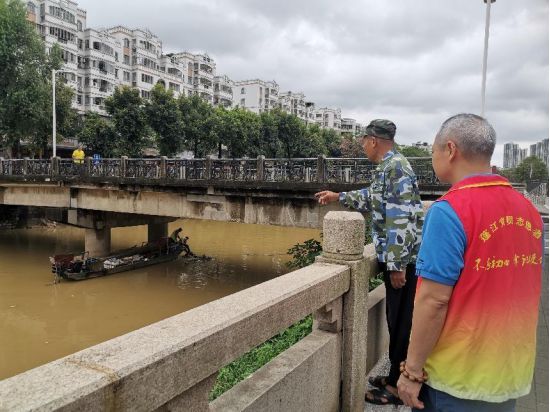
(356, 199)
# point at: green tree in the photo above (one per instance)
(25, 83)
(165, 120)
(332, 140)
(127, 112)
(98, 136)
(291, 134)
(267, 143)
(413, 151)
(197, 125)
(532, 169)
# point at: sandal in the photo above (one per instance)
(382, 397)
(379, 381)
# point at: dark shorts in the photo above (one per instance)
(437, 401)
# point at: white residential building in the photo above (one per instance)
(223, 91)
(141, 54)
(256, 95)
(294, 103)
(348, 125)
(328, 118)
(60, 22)
(98, 69)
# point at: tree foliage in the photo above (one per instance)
(413, 151)
(351, 147)
(532, 169)
(197, 119)
(165, 119)
(132, 131)
(26, 85)
(98, 136)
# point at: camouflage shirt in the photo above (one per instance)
(397, 214)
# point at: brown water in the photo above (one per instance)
(41, 321)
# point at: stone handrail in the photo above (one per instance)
(172, 364)
(300, 170)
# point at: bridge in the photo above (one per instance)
(101, 194)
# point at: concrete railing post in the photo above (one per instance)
(25, 165)
(123, 166)
(343, 243)
(88, 166)
(260, 164)
(162, 173)
(321, 168)
(55, 166)
(208, 168)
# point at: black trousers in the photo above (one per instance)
(399, 310)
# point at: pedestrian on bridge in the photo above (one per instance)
(78, 155)
(474, 328)
(393, 199)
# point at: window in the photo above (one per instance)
(79, 98)
(145, 94)
(126, 43)
(87, 100)
(80, 44)
(87, 44)
(31, 8)
(127, 60)
(242, 102)
(242, 91)
(126, 76)
(116, 73)
(79, 25)
(145, 78)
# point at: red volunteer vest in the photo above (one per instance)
(486, 350)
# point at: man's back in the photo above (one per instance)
(492, 313)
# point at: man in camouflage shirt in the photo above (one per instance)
(397, 217)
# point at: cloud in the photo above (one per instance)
(414, 62)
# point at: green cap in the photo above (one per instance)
(381, 128)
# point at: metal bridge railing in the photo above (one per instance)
(296, 170)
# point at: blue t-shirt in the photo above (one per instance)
(441, 256)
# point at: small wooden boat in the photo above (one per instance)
(82, 266)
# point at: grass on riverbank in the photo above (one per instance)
(303, 254)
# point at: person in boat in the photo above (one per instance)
(175, 236)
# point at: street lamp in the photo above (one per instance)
(484, 70)
(53, 114)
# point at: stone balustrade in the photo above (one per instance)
(307, 170)
(172, 364)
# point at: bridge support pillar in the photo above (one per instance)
(98, 241)
(156, 230)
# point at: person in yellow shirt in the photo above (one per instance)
(78, 155)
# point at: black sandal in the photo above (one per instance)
(382, 397)
(379, 381)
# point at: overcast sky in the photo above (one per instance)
(416, 62)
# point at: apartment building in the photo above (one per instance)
(256, 95)
(98, 69)
(96, 61)
(223, 91)
(328, 118)
(512, 155)
(60, 22)
(293, 103)
(540, 150)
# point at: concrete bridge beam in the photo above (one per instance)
(98, 241)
